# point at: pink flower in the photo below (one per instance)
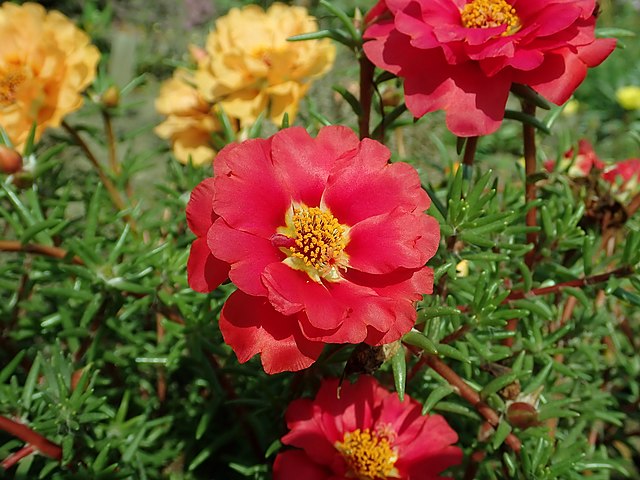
(580, 164)
(463, 56)
(366, 433)
(325, 240)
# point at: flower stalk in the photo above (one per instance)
(24, 433)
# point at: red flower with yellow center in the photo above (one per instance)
(463, 56)
(365, 433)
(325, 239)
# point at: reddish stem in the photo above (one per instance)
(15, 457)
(530, 167)
(366, 94)
(470, 151)
(28, 436)
(579, 283)
(471, 396)
(15, 246)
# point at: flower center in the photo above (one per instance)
(10, 80)
(490, 13)
(369, 455)
(314, 241)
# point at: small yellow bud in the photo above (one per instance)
(629, 97)
(111, 97)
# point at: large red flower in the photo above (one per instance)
(463, 56)
(325, 239)
(364, 433)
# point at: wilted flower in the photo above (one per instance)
(629, 97)
(624, 176)
(364, 433)
(580, 164)
(326, 242)
(190, 119)
(251, 67)
(463, 56)
(45, 64)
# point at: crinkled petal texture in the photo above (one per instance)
(467, 71)
(380, 275)
(190, 119)
(423, 444)
(45, 64)
(251, 67)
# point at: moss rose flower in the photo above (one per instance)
(45, 64)
(190, 119)
(577, 164)
(252, 68)
(325, 240)
(366, 433)
(463, 56)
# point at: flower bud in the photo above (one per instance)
(522, 415)
(111, 97)
(10, 160)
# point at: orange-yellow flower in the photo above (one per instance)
(251, 67)
(45, 64)
(190, 119)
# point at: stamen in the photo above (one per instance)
(314, 240)
(369, 455)
(10, 80)
(490, 13)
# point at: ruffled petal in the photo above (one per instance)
(385, 242)
(304, 163)
(249, 195)
(247, 254)
(200, 214)
(296, 464)
(205, 272)
(251, 326)
(368, 185)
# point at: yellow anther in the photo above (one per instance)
(10, 80)
(369, 455)
(490, 13)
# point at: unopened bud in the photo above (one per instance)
(111, 97)
(522, 415)
(10, 160)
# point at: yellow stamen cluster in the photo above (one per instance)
(490, 13)
(9, 82)
(319, 239)
(369, 455)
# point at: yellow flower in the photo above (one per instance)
(629, 97)
(45, 64)
(190, 119)
(251, 67)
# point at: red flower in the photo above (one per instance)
(624, 171)
(462, 56)
(364, 433)
(579, 165)
(325, 240)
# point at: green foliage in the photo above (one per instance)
(106, 352)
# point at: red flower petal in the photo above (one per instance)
(205, 272)
(423, 443)
(249, 195)
(304, 163)
(247, 254)
(385, 242)
(340, 312)
(295, 464)
(251, 326)
(367, 185)
(200, 215)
